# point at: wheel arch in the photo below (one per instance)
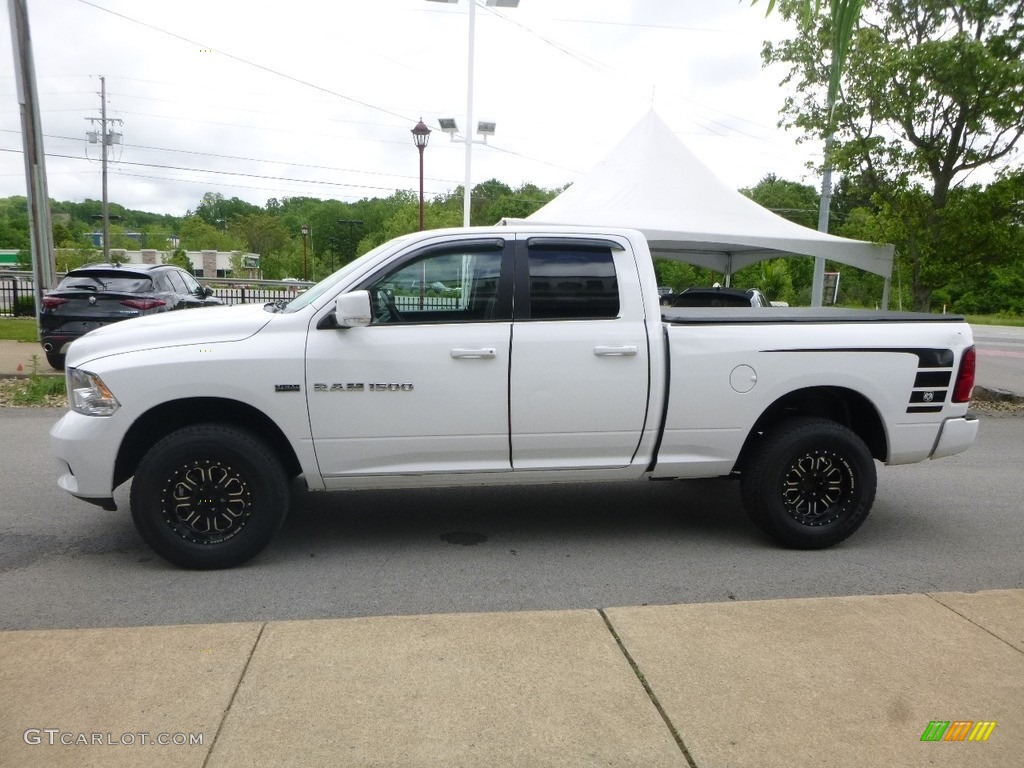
(167, 417)
(844, 406)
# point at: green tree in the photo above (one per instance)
(934, 89)
(197, 235)
(789, 199)
(260, 233)
(179, 258)
(790, 281)
(679, 275)
(843, 17)
(219, 213)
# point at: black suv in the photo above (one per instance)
(100, 294)
(720, 297)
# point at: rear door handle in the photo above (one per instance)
(626, 351)
(484, 353)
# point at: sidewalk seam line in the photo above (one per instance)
(650, 691)
(234, 693)
(969, 620)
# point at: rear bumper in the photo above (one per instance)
(955, 435)
(57, 344)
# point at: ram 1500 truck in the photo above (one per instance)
(502, 355)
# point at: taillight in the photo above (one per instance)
(143, 304)
(965, 376)
(52, 302)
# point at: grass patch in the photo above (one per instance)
(1014, 320)
(37, 391)
(34, 390)
(19, 329)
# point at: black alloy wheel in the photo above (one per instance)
(810, 483)
(209, 496)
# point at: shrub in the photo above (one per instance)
(25, 307)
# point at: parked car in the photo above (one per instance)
(720, 297)
(99, 294)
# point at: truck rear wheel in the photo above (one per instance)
(209, 496)
(810, 483)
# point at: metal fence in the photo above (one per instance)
(16, 297)
(16, 292)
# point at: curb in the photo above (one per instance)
(996, 395)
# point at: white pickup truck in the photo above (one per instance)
(502, 355)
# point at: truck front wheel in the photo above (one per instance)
(209, 496)
(809, 484)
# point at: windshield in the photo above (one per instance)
(325, 286)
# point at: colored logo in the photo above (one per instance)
(958, 730)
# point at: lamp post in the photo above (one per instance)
(420, 137)
(351, 224)
(305, 270)
(469, 100)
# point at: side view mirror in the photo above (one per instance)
(207, 291)
(352, 310)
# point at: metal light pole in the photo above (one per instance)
(305, 268)
(350, 224)
(420, 137)
(469, 97)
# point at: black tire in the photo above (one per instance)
(209, 496)
(809, 484)
(56, 360)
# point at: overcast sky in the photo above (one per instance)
(317, 97)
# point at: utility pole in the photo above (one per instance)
(824, 205)
(105, 138)
(41, 233)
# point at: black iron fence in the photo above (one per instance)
(17, 299)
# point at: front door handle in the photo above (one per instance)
(484, 353)
(627, 351)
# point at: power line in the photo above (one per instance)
(310, 84)
(247, 62)
(249, 159)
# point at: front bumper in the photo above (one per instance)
(86, 450)
(955, 435)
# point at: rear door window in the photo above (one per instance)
(572, 283)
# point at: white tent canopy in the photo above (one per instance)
(652, 182)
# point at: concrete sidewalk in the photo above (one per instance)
(16, 358)
(851, 681)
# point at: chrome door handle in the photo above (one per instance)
(483, 353)
(627, 351)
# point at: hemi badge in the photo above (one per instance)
(287, 388)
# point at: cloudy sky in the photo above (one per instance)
(317, 97)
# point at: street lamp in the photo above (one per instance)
(420, 137)
(305, 269)
(469, 99)
(351, 224)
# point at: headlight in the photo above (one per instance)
(88, 395)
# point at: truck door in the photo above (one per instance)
(580, 360)
(424, 388)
